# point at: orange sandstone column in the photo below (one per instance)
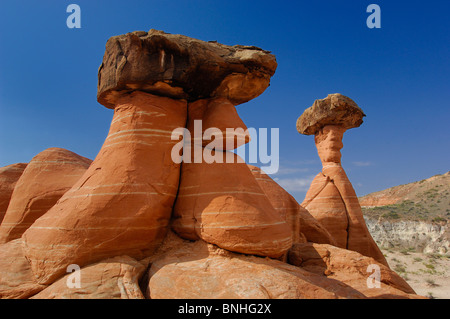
(331, 198)
(302, 224)
(122, 204)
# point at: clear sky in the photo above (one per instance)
(398, 75)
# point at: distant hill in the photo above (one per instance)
(425, 200)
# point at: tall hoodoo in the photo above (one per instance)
(331, 198)
(180, 67)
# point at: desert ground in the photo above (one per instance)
(427, 274)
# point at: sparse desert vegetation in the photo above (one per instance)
(427, 274)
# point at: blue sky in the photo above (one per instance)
(399, 76)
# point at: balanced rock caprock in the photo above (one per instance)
(49, 175)
(331, 198)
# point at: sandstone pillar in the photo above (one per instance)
(331, 198)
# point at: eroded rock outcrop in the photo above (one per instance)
(181, 67)
(352, 269)
(331, 198)
(223, 204)
(123, 203)
(116, 221)
(9, 175)
(17, 281)
(114, 278)
(219, 199)
(46, 178)
(215, 123)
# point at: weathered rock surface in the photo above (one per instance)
(331, 198)
(335, 109)
(223, 204)
(303, 225)
(218, 125)
(350, 268)
(219, 274)
(411, 216)
(114, 278)
(219, 200)
(181, 67)
(123, 203)
(112, 221)
(428, 194)
(47, 177)
(328, 208)
(9, 175)
(16, 278)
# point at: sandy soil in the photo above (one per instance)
(428, 275)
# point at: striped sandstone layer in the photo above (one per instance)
(47, 177)
(333, 202)
(9, 175)
(122, 204)
(331, 198)
(324, 202)
(181, 67)
(219, 200)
